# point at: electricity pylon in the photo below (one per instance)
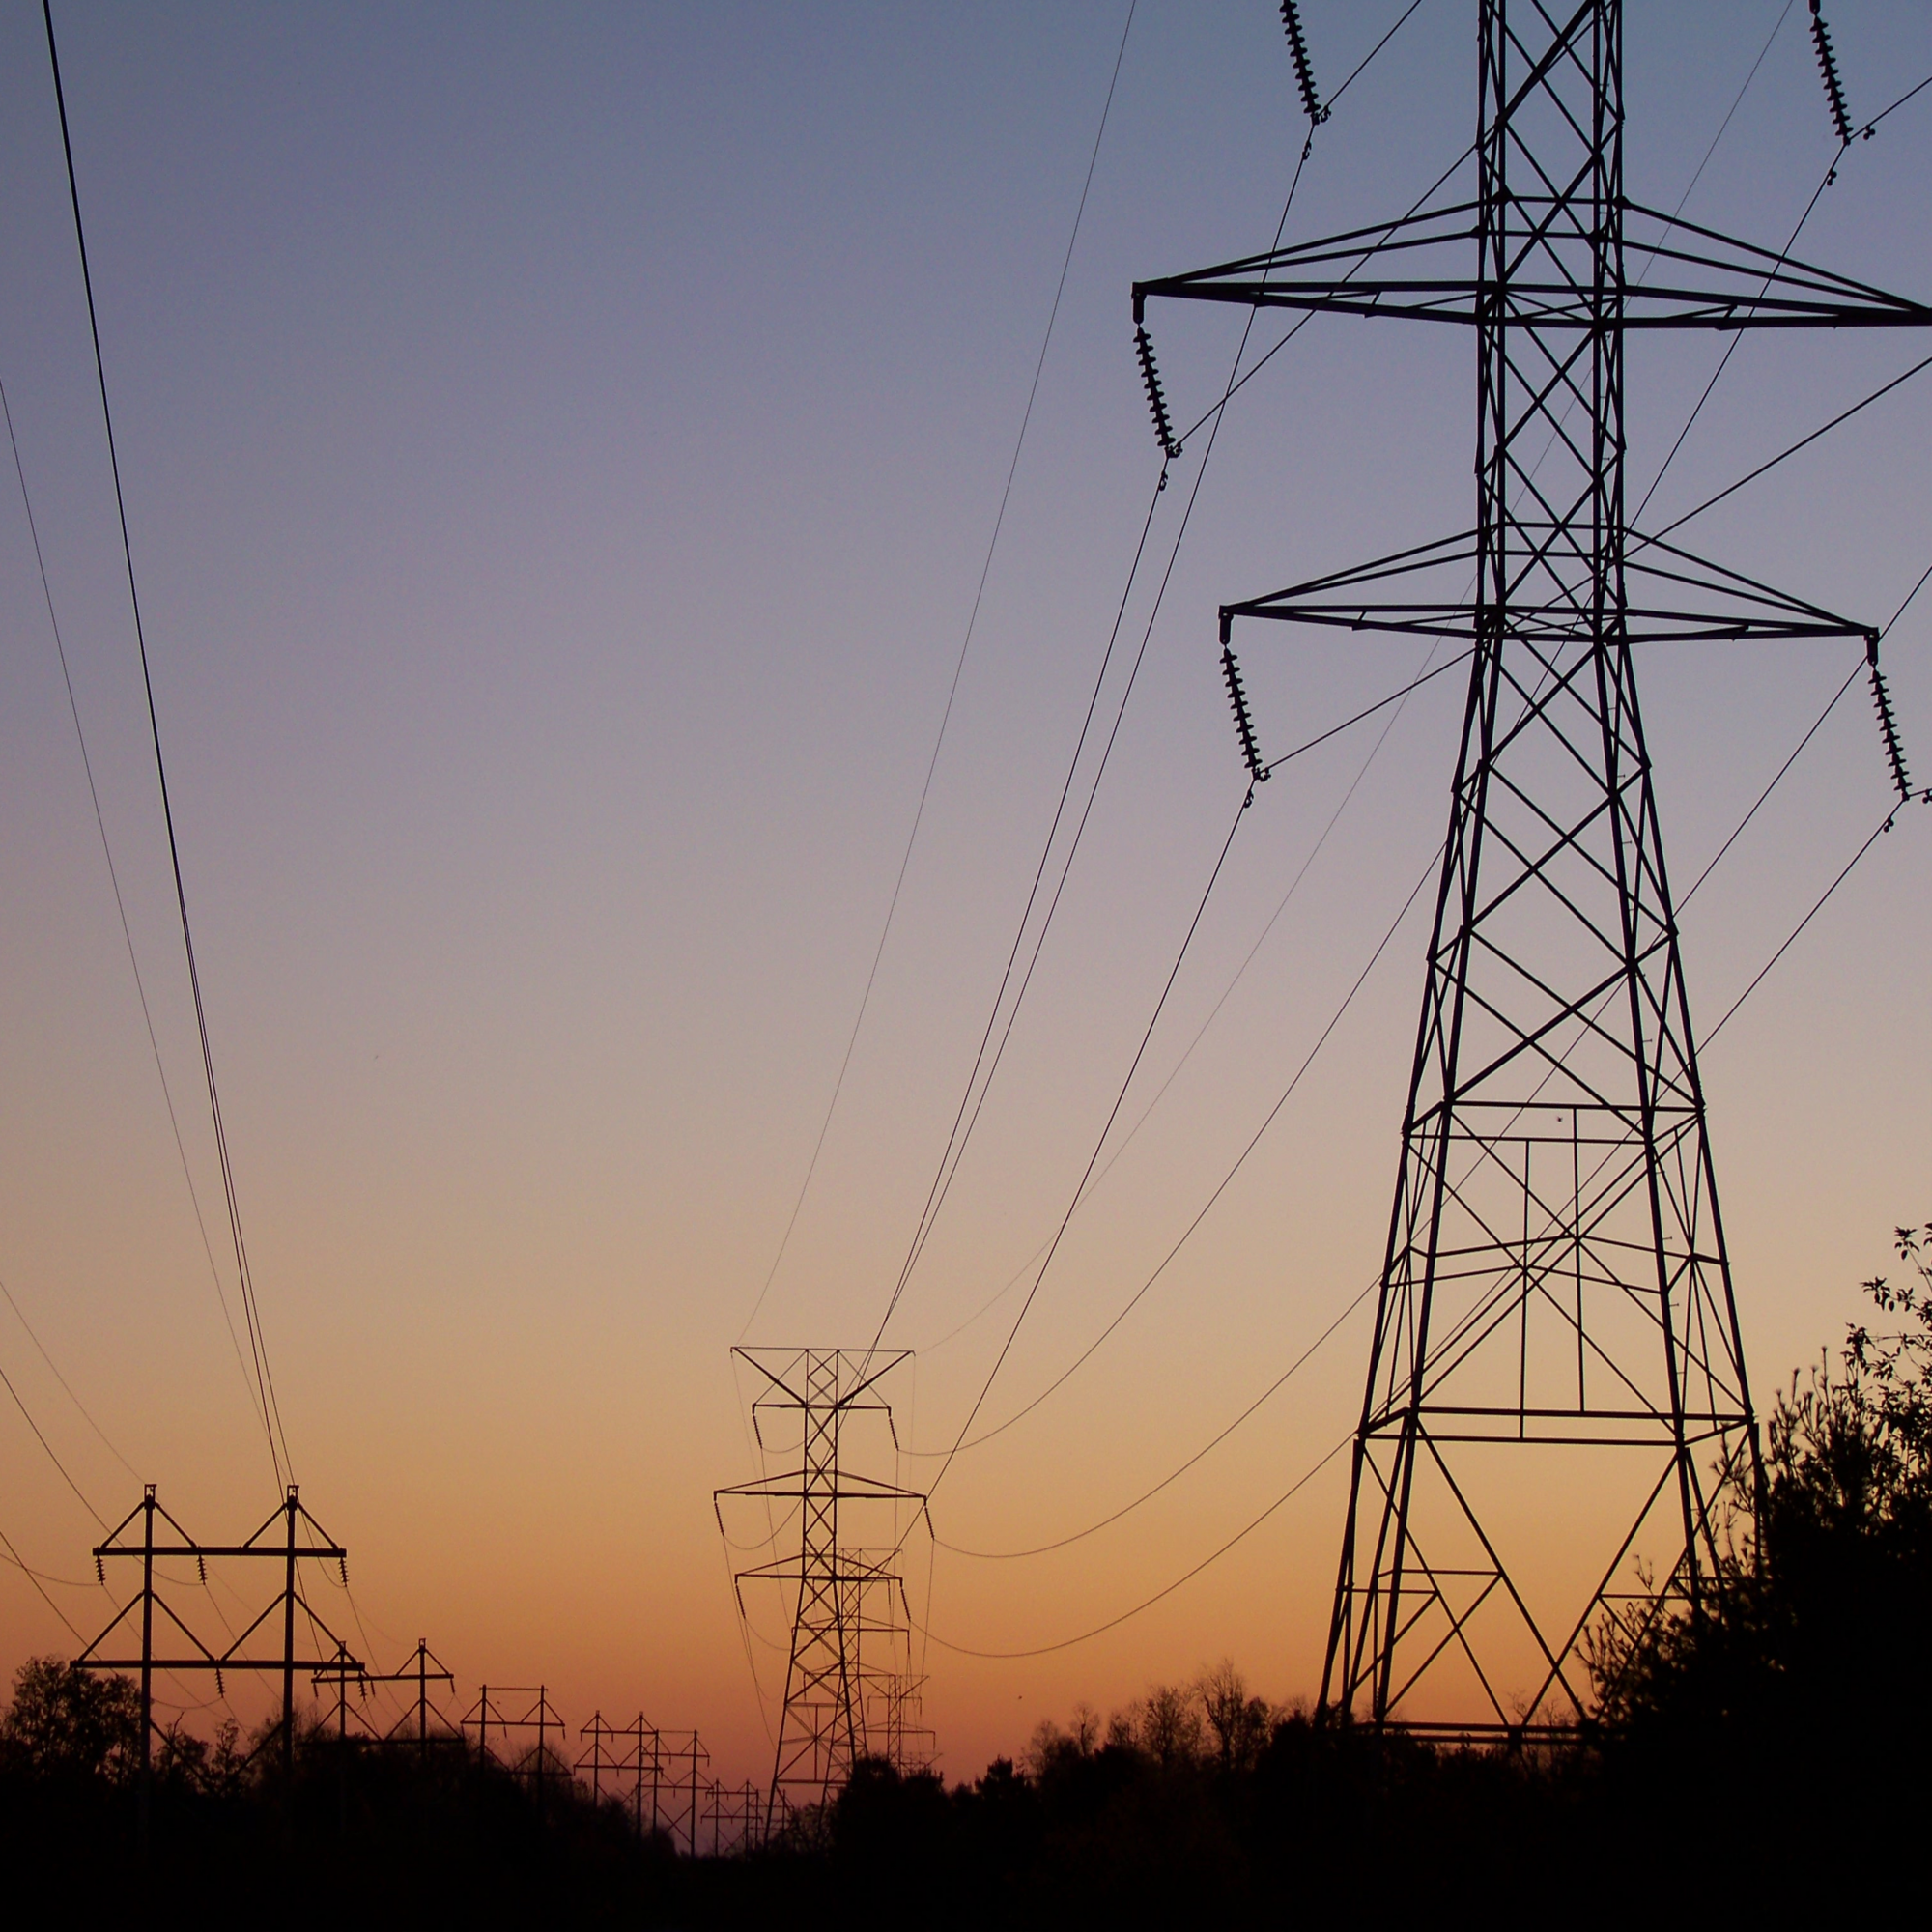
(180, 1650)
(838, 1589)
(1556, 1385)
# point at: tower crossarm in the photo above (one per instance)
(846, 1487)
(850, 1374)
(1676, 275)
(1672, 596)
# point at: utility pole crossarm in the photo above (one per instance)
(91, 1659)
(325, 1551)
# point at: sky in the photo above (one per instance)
(561, 448)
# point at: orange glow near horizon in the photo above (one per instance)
(559, 460)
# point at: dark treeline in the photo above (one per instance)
(1769, 1753)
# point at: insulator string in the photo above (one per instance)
(1828, 69)
(1157, 395)
(1304, 69)
(1244, 723)
(1888, 724)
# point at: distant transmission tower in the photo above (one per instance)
(850, 1632)
(1556, 1381)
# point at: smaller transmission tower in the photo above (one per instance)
(851, 1636)
(888, 1681)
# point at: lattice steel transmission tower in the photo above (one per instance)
(1556, 1392)
(850, 1632)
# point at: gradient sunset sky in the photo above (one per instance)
(561, 448)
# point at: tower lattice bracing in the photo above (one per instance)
(848, 1674)
(1556, 1397)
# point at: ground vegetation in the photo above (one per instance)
(1760, 1749)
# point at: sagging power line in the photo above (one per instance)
(269, 1409)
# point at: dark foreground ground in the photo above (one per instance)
(1764, 1754)
(1320, 1825)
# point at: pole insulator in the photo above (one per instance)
(1163, 423)
(1828, 67)
(1304, 72)
(1888, 724)
(1244, 722)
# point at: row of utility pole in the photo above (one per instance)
(658, 1776)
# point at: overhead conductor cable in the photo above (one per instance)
(269, 1407)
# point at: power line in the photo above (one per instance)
(1876, 835)
(952, 691)
(1242, 1535)
(1174, 1475)
(34, 1577)
(27, 1416)
(128, 936)
(1327, 1333)
(954, 1143)
(1400, 23)
(1400, 699)
(943, 1180)
(1802, 443)
(1112, 1114)
(1866, 133)
(1850, 680)
(951, 1156)
(1723, 127)
(55, 1370)
(1415, 684)
(11, 1555)
(1227, 1180)
(270, 1411)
